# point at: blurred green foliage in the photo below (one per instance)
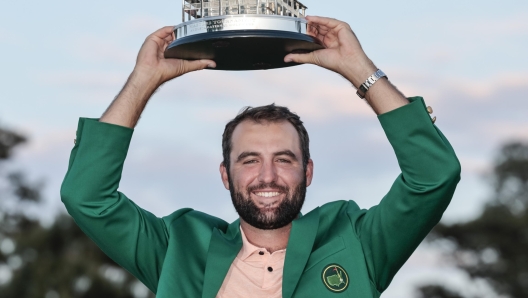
(494, 246)
(436, 291)
(51, 262)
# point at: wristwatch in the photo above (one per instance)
(362, 90)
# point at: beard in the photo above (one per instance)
(264, 218)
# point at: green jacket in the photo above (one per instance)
(188, 253)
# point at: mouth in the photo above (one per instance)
(267, 200)
(267, 194)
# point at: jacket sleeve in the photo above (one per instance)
(392, 230)
(134, 238)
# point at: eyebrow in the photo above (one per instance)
(246, 154)
(256, 154)
(286, 152)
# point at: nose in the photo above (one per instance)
(268, 173)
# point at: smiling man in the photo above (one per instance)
(265, 168)
(337, 249)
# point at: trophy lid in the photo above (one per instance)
(242, 34)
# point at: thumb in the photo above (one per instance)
(189, 66)
(309, 58)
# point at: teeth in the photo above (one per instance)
(267, 194)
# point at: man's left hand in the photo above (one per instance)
(342, 54)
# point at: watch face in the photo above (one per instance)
(363, 88)
(360, 95)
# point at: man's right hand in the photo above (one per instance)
(150, 72)
(151, 60)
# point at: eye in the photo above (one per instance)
(282, 160)
(250, 161)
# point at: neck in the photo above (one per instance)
(272, 240)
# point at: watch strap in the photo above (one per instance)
(363, 88)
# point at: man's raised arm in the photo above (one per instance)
(392, 230)
(134, 238)
(150, 72)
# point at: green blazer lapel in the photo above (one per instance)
(222, 251)
(299, 248)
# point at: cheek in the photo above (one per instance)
(290, 177)
(243, 177)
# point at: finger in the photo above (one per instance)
(312, 30)
(309, 58)
(168, 39)
(189, 66)
(322, 21)
(166, 44)
(318, 31)
(159, 37)
(163, 33)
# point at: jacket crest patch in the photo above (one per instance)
(335, 278)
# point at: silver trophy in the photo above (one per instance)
(242, 34)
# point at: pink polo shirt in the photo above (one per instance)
(254, 273)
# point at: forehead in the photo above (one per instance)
(265, 137)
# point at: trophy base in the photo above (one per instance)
(243, 49)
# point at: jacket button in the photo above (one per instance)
(434, 119)
(270, 269)
(74, 141)
(261, 253)
(429, 110)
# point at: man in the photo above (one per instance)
(272, 250)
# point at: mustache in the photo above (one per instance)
(274, 185)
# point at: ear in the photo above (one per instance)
(223, 175)
(309, 172)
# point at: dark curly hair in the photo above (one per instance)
(270, 113)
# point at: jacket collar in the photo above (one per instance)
(224, 247)
(302, 238)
